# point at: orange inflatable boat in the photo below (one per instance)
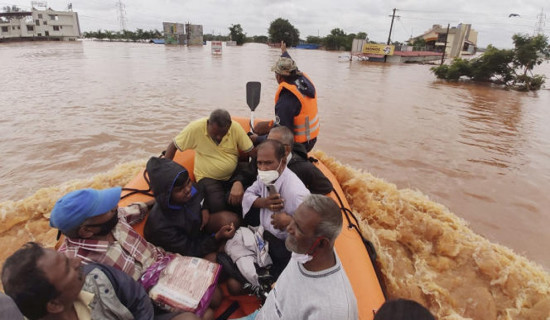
(354, 252)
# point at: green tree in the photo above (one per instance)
(361, 35)
(315, 40)
(236, 33)
(513, 67)
(109, 35)
(337, 40)
(282, 30)
(212, 37)
(418, 44)
(258, 39)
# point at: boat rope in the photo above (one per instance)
(368, 244)
(134, 191)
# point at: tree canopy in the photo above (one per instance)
(236, 33)
(139, 34)
(511, 67)
(282, 30)
(339, 40)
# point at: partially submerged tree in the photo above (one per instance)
(282, 30)
(236, 33)
(512, 67)
(336, 40)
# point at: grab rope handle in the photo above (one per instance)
(135, 191)
(368, 244)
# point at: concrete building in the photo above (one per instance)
(182, 34)
(461, 40)
(174, 33)
(37, 24)
(194, 34)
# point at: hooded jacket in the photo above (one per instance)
(175, 227)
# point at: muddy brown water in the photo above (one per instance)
(72, 111)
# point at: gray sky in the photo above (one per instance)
(317, 17)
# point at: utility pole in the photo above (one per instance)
(445, 47)
(391, 27)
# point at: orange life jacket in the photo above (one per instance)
(306, 123)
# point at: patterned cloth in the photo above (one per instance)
(130, 252)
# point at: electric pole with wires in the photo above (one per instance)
(393, 16)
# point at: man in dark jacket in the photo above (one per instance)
(295, 104)
(296, 101)
(298, 162)
(179, 221)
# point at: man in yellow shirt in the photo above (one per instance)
(217, 142)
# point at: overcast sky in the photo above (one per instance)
(317, 17)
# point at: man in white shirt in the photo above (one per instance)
(314, 284)
(276, 207)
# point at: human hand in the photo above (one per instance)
(262, 128)
(280, 220)
(205, 218)
(225, 232)
(283, 47)
(274, 202)
(236, 193)
(253, 137)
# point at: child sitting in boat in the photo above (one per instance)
(179, 220)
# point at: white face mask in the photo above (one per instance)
(269, 176)
(301, 257)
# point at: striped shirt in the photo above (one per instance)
(130, 252)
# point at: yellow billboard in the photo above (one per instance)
(383, 49)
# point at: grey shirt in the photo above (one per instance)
(8, 308)
(302, 294)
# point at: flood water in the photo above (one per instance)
(74, 110)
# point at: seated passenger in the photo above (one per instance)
(275, 208)
(47, 285)
(9, 309)
(179, 221)
(403, 309)
(97, 230)
(298, 162)
(314, 284)
(217, 142)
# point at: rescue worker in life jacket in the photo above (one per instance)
(295, 103)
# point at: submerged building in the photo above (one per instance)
(458, 41)
(37, 24)
(182, 34)
(194, 34)
(174, 33)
